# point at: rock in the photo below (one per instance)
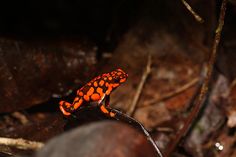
(99, 139)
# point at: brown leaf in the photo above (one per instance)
(32, 73)
(152, 116)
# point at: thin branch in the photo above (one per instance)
(205, 86)
(140, 87)
(195, 15)
(21, 143)
(231, 86)
(21, 117)
(119, 115)
(172, 93)
(128, 119)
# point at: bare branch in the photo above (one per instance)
(21, 143)
(128, 118)
(172, 93)
(140, 87)
(195, 15)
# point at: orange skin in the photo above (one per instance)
(96, 90)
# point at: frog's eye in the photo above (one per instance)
(116, 80)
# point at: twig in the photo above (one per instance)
(231, 86)
(140, 87)
(172, 93)
(119, 114)
(21, 143)
(205, 86)
(195, 15)
(21, 117)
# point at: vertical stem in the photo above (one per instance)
(205, 86)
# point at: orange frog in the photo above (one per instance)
(96, 90)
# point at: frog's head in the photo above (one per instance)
(119, 76)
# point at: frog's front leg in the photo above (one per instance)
(107, 111)
(104, 107)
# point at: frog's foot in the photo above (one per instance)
(65, 108)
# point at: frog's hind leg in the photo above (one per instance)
(65, 108)
(77, 103)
